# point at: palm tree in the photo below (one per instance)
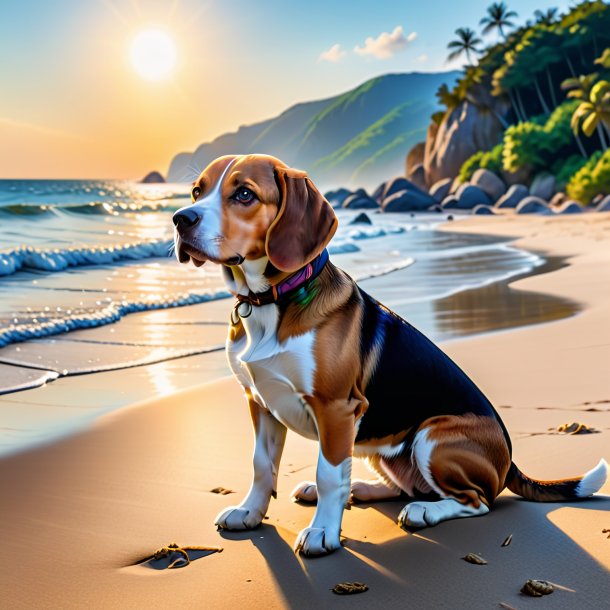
(546, 17)
(467, 43)
(498, 17)
(594, 113)
(579, 89)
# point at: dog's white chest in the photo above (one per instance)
(278, 374)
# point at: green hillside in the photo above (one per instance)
(358, 138)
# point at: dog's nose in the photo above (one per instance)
(186, 218)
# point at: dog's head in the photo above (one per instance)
(250, 206)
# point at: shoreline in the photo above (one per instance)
(201, 359)
(82, 511)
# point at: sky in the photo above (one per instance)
(73, 104)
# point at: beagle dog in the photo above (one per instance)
(316, 354)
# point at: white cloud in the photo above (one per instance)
(334, 54)
(421, 58)
(386, 44)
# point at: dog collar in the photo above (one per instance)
(285, 289)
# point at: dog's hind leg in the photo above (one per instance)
(270, 435)
(464, 459)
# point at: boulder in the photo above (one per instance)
(407, 201)
(489, 183)
(361, 219)
(558, 199)
(569, 206)
(153, 178)
(513, 196)
(469, 195)
(378, 193)
(603, 205)
(470, 127)
(398, 184)
(597, 199)
(483, 209)
(543, 186)
(435, 208)
(439, 190)
(533, 205)
(450, 202)
(415, 157)
(337, 197)
(418, 177)
(359, 200)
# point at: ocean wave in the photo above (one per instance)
(59, 259)
(114, 311)
(53, 260)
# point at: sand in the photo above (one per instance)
(76, 515)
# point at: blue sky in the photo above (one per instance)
(67, 85)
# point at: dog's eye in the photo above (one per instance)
(195, 193)
(244, 196)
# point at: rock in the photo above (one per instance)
(337, 197)
(597, 199)
(407, 201)
(450, 202)
(558, 199)
(489, 183)
(470, 127)
(533, 205)
(359, 200)
(513, 196)
(439, 190)
(435, 208)
(603, 205)
(469, 195)
(415, 157)
(483, 209)
(569, 206)
(361, 219)
(418, 177)
(153, 178)
(398, 184)
(378, 192)
(543, 186)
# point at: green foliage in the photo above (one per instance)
(564, 169)
(592, 179)
(491, 160)
(534, 145)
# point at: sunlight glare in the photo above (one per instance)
(153, 54)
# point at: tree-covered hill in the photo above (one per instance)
(545, 92)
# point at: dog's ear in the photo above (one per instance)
(304, 224)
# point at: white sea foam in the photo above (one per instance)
(58, 259)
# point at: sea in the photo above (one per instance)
(89, 284)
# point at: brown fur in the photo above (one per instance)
(471, 459)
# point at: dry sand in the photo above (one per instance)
(77, 515)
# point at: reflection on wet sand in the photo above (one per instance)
(495, 307)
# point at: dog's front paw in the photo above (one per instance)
(305, 492)
(314, 541)
(238, 518)
(416, 514)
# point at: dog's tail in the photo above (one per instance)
(557, 491)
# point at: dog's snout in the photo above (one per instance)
(186, 218)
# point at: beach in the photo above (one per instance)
(79, 513)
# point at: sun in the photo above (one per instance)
(153, 54)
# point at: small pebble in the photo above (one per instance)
(476, 559)
(537, 588)
(349, 588)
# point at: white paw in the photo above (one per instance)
(238, 518)
(314, 541)
(417, 514)
(305, 492)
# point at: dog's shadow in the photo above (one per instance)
(426, 565)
